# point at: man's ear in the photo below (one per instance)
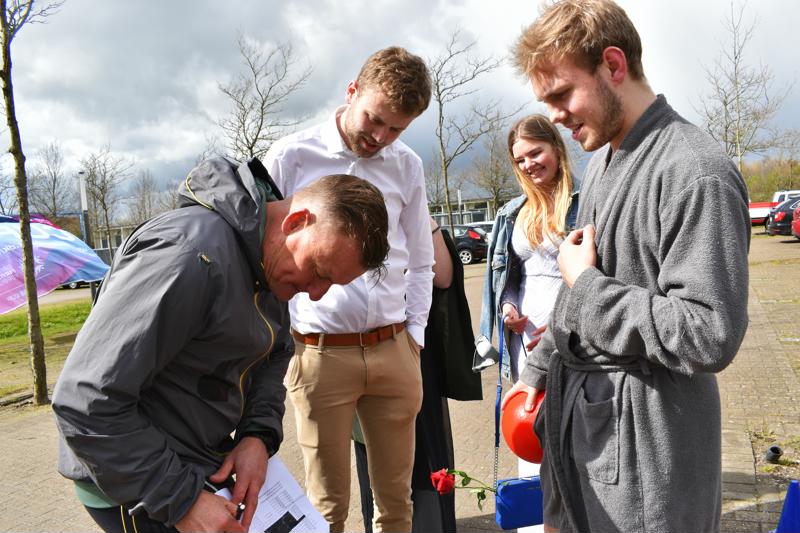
(297, 220)
(352, 90)
(616, 64)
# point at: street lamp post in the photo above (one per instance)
(85, 226)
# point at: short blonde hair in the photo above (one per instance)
(579, 30)
(400, 76)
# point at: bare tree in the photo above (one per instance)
(492, 171)
(790, 153)
(8, 195)
(14, 14)
(143, 203)
(51, 191)
(434, 182)
(168, 198)
(105, 172)
(209, 150)
(742, 100)
(258, 97)
(452, 75)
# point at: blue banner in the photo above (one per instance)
(59, 258)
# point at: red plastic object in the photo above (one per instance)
(517, 427)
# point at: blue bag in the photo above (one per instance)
(519, 502)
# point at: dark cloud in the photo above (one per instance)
(144, 75)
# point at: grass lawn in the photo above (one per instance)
(60, 324)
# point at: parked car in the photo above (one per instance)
(470, 243)
(780, 219)
(486, 226)
(796, 222)
(768, 208)
(74, 285)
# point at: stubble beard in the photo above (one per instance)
(354, 137)
(610, 122)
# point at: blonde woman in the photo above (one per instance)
(522, 274)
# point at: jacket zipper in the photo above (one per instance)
(263, 356)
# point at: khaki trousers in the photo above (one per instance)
(383, 384)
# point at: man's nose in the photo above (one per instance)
(557, 115)
(380, 134)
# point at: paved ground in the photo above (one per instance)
(760, 391)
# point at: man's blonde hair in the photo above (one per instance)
(578, 30)
(400, 76)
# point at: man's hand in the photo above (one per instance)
(520, 386)
(576, 254)
(248, 460)
(210, 513)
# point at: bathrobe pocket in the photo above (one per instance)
(595, 438)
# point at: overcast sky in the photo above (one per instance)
(143, 75)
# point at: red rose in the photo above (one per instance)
(442, 481)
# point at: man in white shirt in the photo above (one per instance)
(357, 348)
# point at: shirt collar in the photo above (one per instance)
(335, 144)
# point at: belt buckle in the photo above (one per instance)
(361, 340)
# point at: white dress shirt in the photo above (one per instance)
(404, 294)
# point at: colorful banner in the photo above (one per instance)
(59, 258)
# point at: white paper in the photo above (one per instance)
(282, 504)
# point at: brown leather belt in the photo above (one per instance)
(369, 338)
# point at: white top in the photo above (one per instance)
(540, 280)
(404, 294)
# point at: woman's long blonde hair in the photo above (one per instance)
(546, 212)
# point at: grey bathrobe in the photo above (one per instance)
(632, 414)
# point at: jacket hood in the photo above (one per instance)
(238, 192)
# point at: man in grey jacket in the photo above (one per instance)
(655, 295)
(188, 343)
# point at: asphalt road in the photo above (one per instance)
(65, 295)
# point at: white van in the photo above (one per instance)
(780, 196)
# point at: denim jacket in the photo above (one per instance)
(501, 260)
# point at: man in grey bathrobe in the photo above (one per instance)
(655, 295)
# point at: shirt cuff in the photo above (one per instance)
(417, 333)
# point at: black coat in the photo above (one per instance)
(449, 338)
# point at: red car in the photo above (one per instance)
(796, 222)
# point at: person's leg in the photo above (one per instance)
(433, 512)
(324, 386)
(387, 412)
(526, 469)
(117, 520)
(365, 489)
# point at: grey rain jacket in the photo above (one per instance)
(184, 345)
